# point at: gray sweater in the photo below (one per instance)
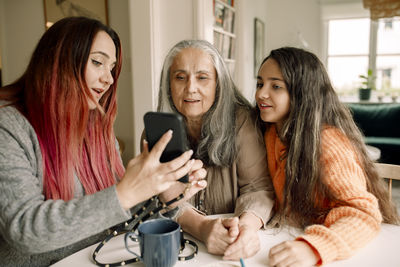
(35, 231)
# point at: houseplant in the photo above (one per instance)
(368, 84)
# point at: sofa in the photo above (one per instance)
(380, 124)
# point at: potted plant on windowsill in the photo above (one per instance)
(368, 84)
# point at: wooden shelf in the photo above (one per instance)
(224, 31)
(221, 30)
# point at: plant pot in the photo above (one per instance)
(364, 94)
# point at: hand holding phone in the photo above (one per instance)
(156, 124)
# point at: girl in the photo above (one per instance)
(322, 176)
(62, 182)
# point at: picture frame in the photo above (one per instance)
(258, 44)
(55, 10)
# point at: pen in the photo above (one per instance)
(242, 263)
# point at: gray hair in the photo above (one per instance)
(217, 146)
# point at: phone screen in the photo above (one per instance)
(156, 124)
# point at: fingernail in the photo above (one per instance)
(190, 152)
(202, 183)
(170, 131)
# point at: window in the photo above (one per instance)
(388, 54)
(358, 44)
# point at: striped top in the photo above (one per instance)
(346, 228)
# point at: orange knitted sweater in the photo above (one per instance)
(345, 228)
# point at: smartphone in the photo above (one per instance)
(156, 124)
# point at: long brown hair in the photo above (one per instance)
(53, 95)
(313, 105)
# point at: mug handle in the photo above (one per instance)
(133, 237)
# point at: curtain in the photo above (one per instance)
(382, 8)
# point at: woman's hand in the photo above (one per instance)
(292, 253)
(246, 245)
(196, 174)
(145, 176)
(218, 234)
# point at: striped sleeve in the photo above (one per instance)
(346, 228)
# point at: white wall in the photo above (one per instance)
(246, 12)
(21, 27)
(118, 14)
(143, 72)
(175, 23)
(294, 23)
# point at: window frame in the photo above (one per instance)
(337, 10)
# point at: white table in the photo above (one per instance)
(384, 250)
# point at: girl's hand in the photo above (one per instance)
(145, 176)
(292, 253)
(196, 183)
(218, 234)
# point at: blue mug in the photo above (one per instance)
(159, 241)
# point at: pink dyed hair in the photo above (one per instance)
(52, 94)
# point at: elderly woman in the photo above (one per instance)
(196, 83)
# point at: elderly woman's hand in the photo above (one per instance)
(196, 183)
(218, 234)
(247, 243)
(145, 176)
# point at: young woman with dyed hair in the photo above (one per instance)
(62, 182)
(323, 178)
